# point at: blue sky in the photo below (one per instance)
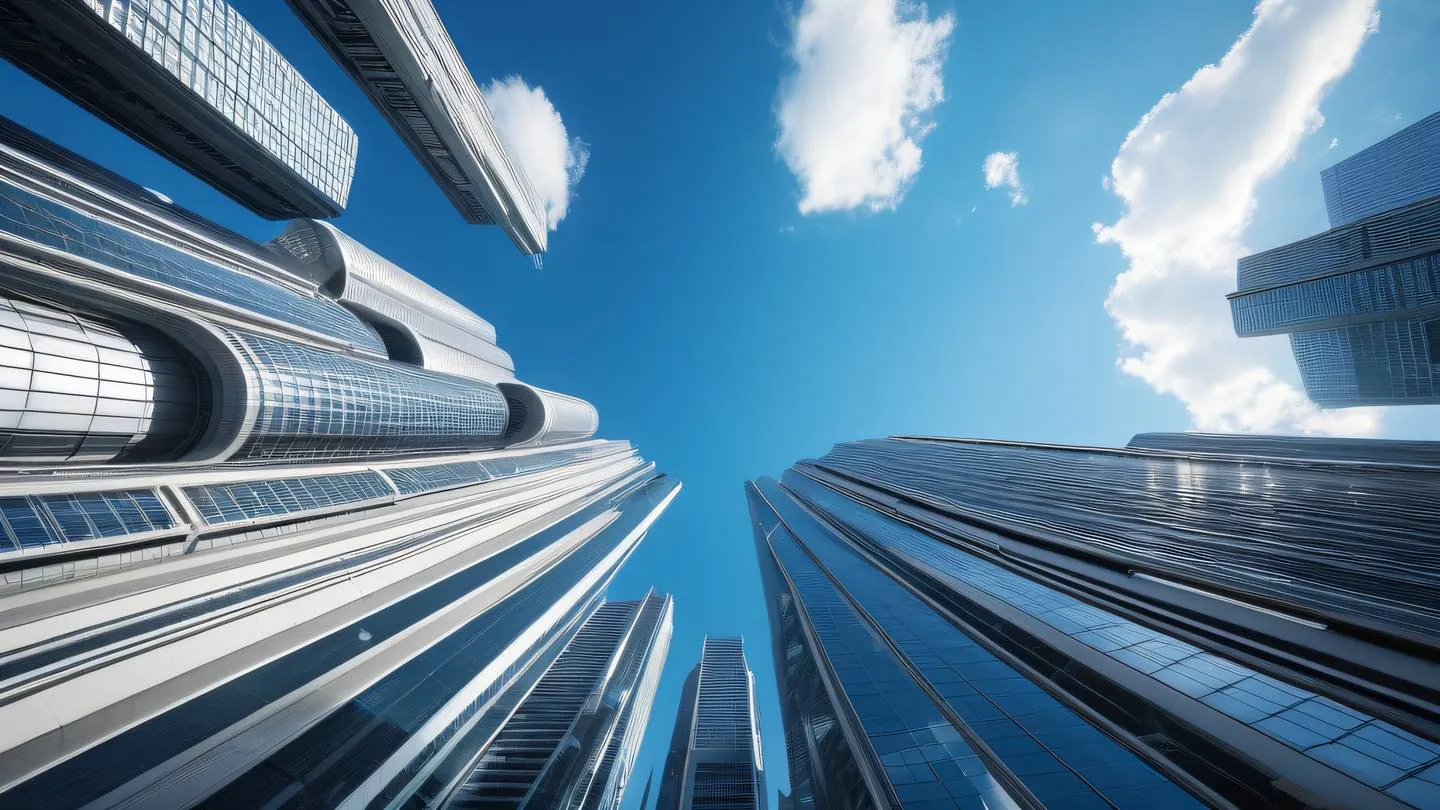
(727, 334)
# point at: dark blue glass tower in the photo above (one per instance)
(1361, 302)
(1191, 621)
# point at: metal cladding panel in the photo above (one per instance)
(75, 389)
(461, 600)
(402, 56)
(447, 336)
(1173, 610)
(198, 84)
(539, 417)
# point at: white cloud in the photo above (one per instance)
(1187, 175)
(854, 109)
(1002, 169)
(531, 126)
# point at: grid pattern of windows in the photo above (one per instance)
(74, 388)
(222, 59)
(317, 404)
(517, 758)
(1380, 363)
(723, 786)
(1338, 540)
(41, 520)
(925, 758)
(60, 227)
(1372, 293)
(229, 503)
(725, 708)
(1372, 751)
(1061, 758)
(1402, 169)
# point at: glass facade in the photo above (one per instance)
(1360, 301)
(318, 404)
(195, 81)
(983, 577)
(715, 760)
(252, 553)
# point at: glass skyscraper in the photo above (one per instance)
(1361, 302)
(400, 54)
(279, 525)
(1190, 621)
(572, 741)
(193, 80)
(715, 761)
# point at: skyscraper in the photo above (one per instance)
(715, 760)
(1190, 621)
(1361, 302)
(572, 741)
(278, 524)
(197, 83)
(400, 54)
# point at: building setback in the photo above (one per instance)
(278, 524)
(715, 760)
(198, 84)
(1191, 621)
(1361, 301)
(400, 54)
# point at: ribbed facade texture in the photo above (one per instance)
(280, 527)
(1191, 621)
(1361, 302)
(715, 760)
(400, 54)
(572, 741)
(193, 80)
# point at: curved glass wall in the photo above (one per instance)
(317, 404)
(49, 223)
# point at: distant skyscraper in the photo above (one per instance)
(399, 52)
(1361, 302)
(572, 742)
(279, 526)
(195, 82)
(715, 761)
(1191, 621)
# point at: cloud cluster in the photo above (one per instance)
(536, 135)
(854, 108)
(1187, 175)
(1002, 170)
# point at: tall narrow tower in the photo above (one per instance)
(715, 760)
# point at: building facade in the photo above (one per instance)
(281, 527)
(198, 84)
(400, 54)
(571, 743)
(715, 760)
(1361, 302)
(1190, 621)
